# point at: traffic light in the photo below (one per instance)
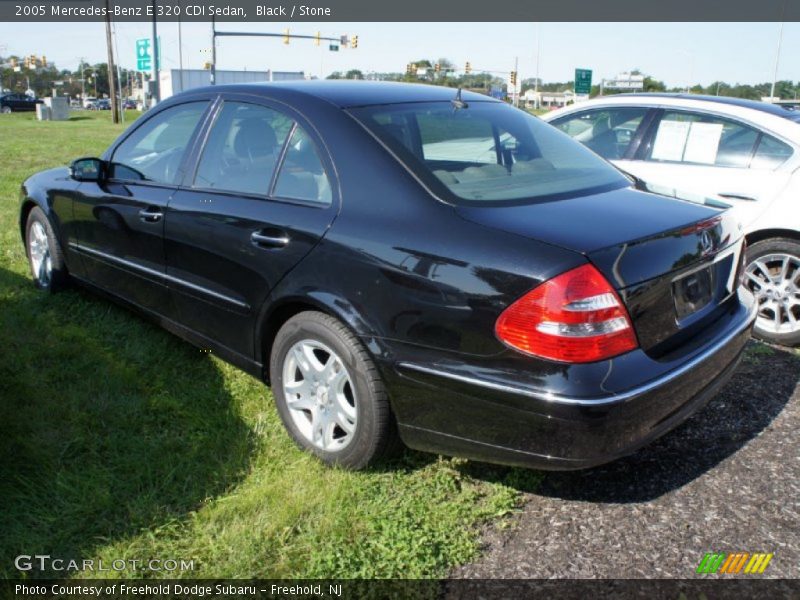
(286, 36)
(468, 68)
(44, 61)
(514, 78)
(317, 38)
(344, 40)
(207, 65)
(354, 42)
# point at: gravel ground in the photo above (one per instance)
(727, 480)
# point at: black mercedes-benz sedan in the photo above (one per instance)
(405, 261)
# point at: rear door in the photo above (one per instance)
(261, 196)
(713, 156)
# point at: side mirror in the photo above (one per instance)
(88, 169)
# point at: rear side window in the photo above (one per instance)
(302, 176)
(154, 151)
(243, 149)
(771, 153)
(487, 151)
(703, 139)
(608, 132)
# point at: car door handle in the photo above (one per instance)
(151, 214)
(737, 196)
(269, 241)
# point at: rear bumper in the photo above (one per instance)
(495, 413)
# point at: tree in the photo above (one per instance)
(354, 74)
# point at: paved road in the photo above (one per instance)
(727, 480)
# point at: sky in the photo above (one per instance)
(677, 53)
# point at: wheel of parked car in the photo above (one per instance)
(329, 393)
(44, 253)
(773, 275)
(5, 110)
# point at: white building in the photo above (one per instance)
(173, 81)
(533, 99)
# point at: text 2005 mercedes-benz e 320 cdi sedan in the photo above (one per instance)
(399, 259)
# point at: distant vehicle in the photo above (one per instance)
(743, 151)
(17, 103)
(129, 104)
(89, 102)
(102, 104)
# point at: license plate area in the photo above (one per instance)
(693, 292)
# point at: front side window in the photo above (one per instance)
(243, 149)
(608, 132)
(487, 151)
(702, 139)
(154, 151)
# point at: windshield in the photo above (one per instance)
(487, 152)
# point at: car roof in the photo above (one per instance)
(777, 110)
(351, 93)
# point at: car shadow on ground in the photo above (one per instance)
(757, 393)
(109, 426)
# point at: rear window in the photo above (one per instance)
(487, 152)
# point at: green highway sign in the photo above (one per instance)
(143, 58)
(144, 54)
(583, 81)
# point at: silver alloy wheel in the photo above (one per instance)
(775, 281)
(39, 247)
(6, 110)
(320, 395)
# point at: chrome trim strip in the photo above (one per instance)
(158, 274)
(595, 401)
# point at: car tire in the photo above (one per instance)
(773, 275)
(45, 258)
(346, 424)
(5, 110)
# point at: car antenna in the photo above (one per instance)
(457, 102)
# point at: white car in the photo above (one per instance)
(745, 152)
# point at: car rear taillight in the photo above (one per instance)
(575, 317)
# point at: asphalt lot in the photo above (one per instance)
(728, 480)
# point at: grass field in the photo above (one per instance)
(119, 441)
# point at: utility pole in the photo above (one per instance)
(180, 47)
(83, 83)
(119, 78)
(516, 77)
(777, 60)
(538, 52)
(156, 86)
(213, 51)
(112, 86)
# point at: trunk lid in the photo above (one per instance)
(675, 263)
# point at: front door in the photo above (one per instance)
(120, 220)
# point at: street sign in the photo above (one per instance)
(143, 57)
(333, 47)
(144, 54)
(583, 81)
